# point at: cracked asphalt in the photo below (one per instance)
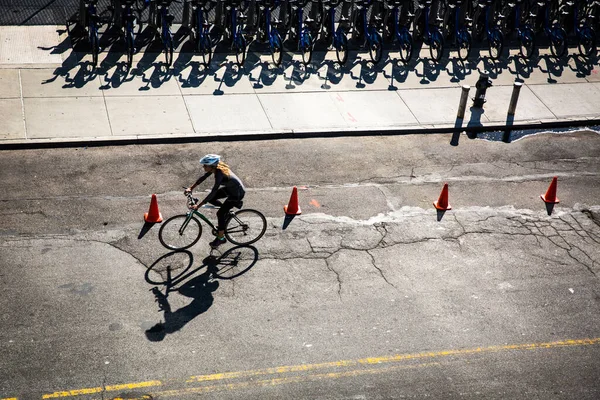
(369, 294)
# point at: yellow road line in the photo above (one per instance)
(387, 359)
(283, 370)
(79, 392)
(10, 398)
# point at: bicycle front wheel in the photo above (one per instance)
(177, 233)
(306, 46)
(375, 46)
(558, 42)
(526, 42)
(464, 44)
(130, 46)
(239, 42)
(95, 45)
(276, 48)
(205, 48)
(168, 48)
(245, 227)
(341, 47)
(405, 43)
(436, 45)
(496, 44)
(587, 41)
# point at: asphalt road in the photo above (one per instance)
(369, 294)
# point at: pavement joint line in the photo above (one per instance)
(281, 371)
(22, 104)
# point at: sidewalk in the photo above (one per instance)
(49, 95)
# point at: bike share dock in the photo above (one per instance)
(49, 95)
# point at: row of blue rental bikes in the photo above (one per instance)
(400, 26)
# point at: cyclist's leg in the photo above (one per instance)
(221, 194)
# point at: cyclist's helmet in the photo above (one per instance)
(210, 160)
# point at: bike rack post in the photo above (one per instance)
(463, 101)
(514, 98)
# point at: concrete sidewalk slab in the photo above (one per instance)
(373, 109)
(44, 83)
(148, 115)
(68, 117)
(570, 99)
(10, 84)
(301, 111)
(11, 115)
(529, 106)
(432, 106)
(28, 44)
(242, 112)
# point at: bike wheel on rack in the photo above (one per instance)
(276, 48)
(130, 43)
(306, 47)
(240, 49)
(405, 44)
(205, 48)
(172, 237)
(94, 44)
(341, 47)
(375, 46)
(496, 43)
(168, 48)
(436, 45)
(558, 42)
(464, 43)
(587, 41)
(526, 43)
(245, 227)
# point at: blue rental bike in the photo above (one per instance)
(336, 35)
(301, 31)
(547, 11)
(268, 29)
(458, 22)
(431, 34)
(367, 31)
(399, 14)
(582, 25)
(486, 24)
(201, 29)
(235, 28)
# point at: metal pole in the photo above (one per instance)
(514, 98)
(463, 101)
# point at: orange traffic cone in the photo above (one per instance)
(442, 203)
(550, 196)
(153, 215)
(293, 208)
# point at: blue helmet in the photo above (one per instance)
(210, 159)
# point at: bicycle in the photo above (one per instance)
(525, 34)
(555, 33)
(494, 35)
(91, 21)
(453, 13)
(201, 30)
(242, 227)
(337, 36)
(302, 32)
(164, 20)
(268, 31)
(372, 37)
(399, 10)
(583, 30)
(130, 28)
(235, 30)
(431, 35)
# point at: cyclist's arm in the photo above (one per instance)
(199, 181)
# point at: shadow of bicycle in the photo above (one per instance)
(176, 273)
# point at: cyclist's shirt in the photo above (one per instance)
(232, 184)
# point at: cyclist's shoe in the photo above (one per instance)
(217, 242)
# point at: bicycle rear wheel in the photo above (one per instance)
(168, 48)
(375, 46)
(240, 47)
(175, 234)
(130, 46)
(205, 48)
(526, 42)
(94, 44)
(306, 46)
(245, 227)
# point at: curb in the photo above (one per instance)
(293, 134)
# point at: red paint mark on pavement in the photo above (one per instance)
(315, 203)
(594, 71)
(339, 98)
(352, 118)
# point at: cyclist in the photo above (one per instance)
(227, 185)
